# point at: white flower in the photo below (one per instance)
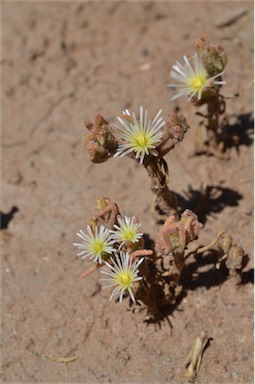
(123, 273)
(193, 80)
(97, 246)
(128, 230)
(137, 135)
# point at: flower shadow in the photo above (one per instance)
(240, 132)
(200, 274)
(208, 201)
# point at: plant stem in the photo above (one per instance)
(165, 203)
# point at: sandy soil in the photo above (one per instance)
(63, 62)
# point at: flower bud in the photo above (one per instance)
(100, 143)
(235, 258)
(191, 224)
(175, 128)
(213, 56)
(225, 243)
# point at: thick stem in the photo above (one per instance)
(165, 203)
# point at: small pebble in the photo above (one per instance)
(235, 375)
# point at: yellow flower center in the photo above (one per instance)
(98, 246)
(197, 82)
(129, 234)
(125, 279)
(141, 140)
